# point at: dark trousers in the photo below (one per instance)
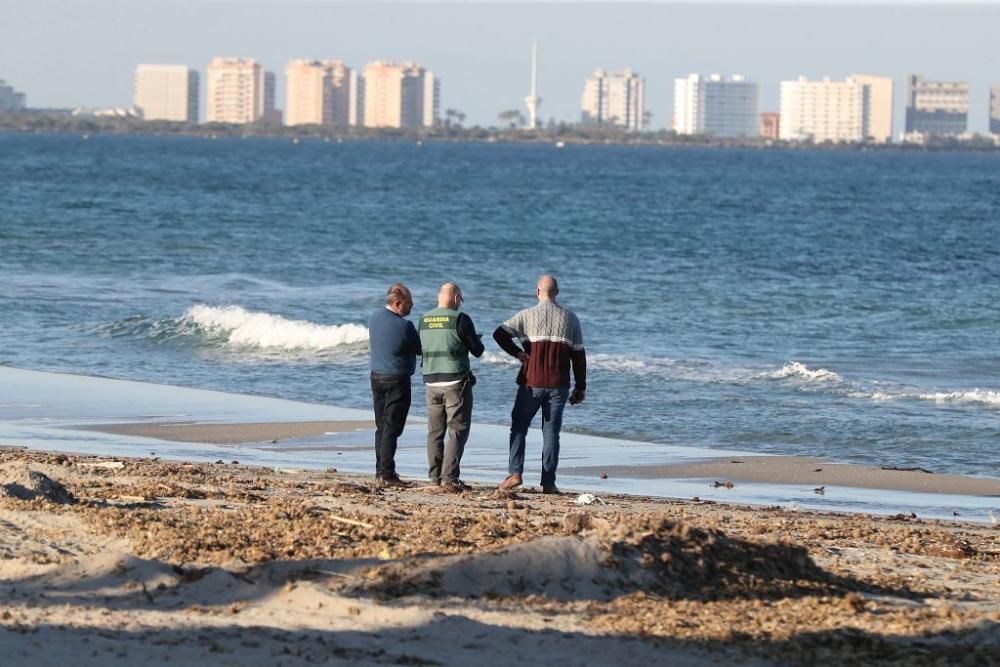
(391, 396)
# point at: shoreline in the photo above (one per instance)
(567, 136)
(99, 416)
(754, 469)
(208, 563)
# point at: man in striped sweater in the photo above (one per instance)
(551, 346)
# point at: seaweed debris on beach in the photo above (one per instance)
(192, 562)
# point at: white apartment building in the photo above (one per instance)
(823, 110)
(320, 92)
(400, 95)
(10, 99)
(614, 98)
(995, 110)
(167, 92)
(239, 91)
(879, 109)
(716, 106)
(936, 107)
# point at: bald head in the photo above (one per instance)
(547, 288)
(450, 296)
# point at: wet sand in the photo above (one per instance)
(797, 470)
(230, 434)
(802, 470)
(212, 564)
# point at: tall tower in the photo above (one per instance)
(533, 100)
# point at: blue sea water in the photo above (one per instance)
(836, 304)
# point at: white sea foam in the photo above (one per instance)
(502, 359)
(249, 329)
(982, 396)
(875, 395)
(608, 362)
(663, 367)
(795, 369)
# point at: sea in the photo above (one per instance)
(832, 303)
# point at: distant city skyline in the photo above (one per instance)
(84, 52)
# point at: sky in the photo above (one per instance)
(69, 53)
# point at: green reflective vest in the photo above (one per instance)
(443, 351)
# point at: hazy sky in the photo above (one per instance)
(66, 53)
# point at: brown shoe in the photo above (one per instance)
(458, 486)
(551, 489)
(512, 481)
(392, 480)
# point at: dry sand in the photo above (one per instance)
(210, 564)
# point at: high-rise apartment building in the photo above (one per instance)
(823, 110)
(879, 110)
(432, 98)
(400, 95)
(716, 106)
(239, 91)
(936, 107)
(320, 92)
(167, 92)
(614, 98)
(770, 125)
(995, 110)
(10, 99)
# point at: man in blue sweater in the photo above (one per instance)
(393, 347)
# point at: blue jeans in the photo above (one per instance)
(551, 400)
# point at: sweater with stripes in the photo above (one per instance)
(553, 339)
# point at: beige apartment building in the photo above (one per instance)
(614, 98)
(853, 110)
(239, 91)
(995, 110)
(770, 125)
(167, 92)
(400, 95)
(320, 92)
(879, 120)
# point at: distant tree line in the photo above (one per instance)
(511, 129)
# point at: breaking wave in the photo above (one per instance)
(980, 396)
(797, 370)
(243, 328)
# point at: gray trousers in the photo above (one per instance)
(449, 409)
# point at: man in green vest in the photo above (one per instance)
(446, 339)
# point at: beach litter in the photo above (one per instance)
(588, 499)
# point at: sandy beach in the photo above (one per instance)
(126, 560)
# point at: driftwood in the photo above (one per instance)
(929, 472)
(344, 519)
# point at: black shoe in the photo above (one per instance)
(551, 489)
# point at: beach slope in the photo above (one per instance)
(127, 561)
